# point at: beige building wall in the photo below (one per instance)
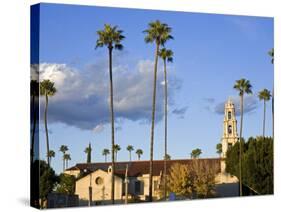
(101, 187)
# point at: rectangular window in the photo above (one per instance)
(137, 187)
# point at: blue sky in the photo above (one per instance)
(210, 53)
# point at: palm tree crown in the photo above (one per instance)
(139, 152)
(158, 32)
(47, 88)
(264, 95)
(63, 149)
(110, 37)
(243, 86)
(51, 154)
(166, 54)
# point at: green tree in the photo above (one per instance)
(257, 166)
(158, 33)
(66, 158)
(51, 154)
(139, 152)
(47, 88)
(47, 181)
(116, 149)
(88, 152)
(130, 148)
(219, 149)
(196, 153)
(111, 37)
(264, 96)
(243, 86)
(105, 152)
(167, 56)
(271, 54)
(63, 149)
(66, 184)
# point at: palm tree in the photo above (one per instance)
(66, 157)
(88, 152)
(47, 88)
(51, 154)
(63, 149)
(264, 96)
(196, 153)
(271, 54)
(34, 93)
(139, 152)
(167, 56)
(157, 33)
(105, 152)
(111, 37)
(130, 148)
(242, 86)
(116, 149)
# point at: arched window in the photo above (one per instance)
(229, 115)
(229, 129)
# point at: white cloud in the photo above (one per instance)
(82, 95)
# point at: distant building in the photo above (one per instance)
(99, 178)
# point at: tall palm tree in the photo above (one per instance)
(116, 149)
(51, 154)
(271, 54)
(111, 37)
(243, 86)
(66, 157)
(139, 152)
(130, 148)
(88, 152)
(196, 153)
(34, 93)
(105, 152)
(47, 88)
(167, 56)
(158, 33)
(63, 149)
(264, 96)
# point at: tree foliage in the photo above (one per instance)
(196, 180)
(66, 184)
(257, 164)
(47, 180)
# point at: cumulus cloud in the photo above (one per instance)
(82, 98)
(250, 104)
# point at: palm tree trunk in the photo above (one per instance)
(33, 128)
(264, 109)
(112, 125)
(152, 123)
(139, 157)
(63, 165)
(240, 146)
(105, 158)
(46, 129)
(165, 157)
(130, 156)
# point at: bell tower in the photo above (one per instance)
(230, 136)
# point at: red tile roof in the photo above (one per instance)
(137, 168)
